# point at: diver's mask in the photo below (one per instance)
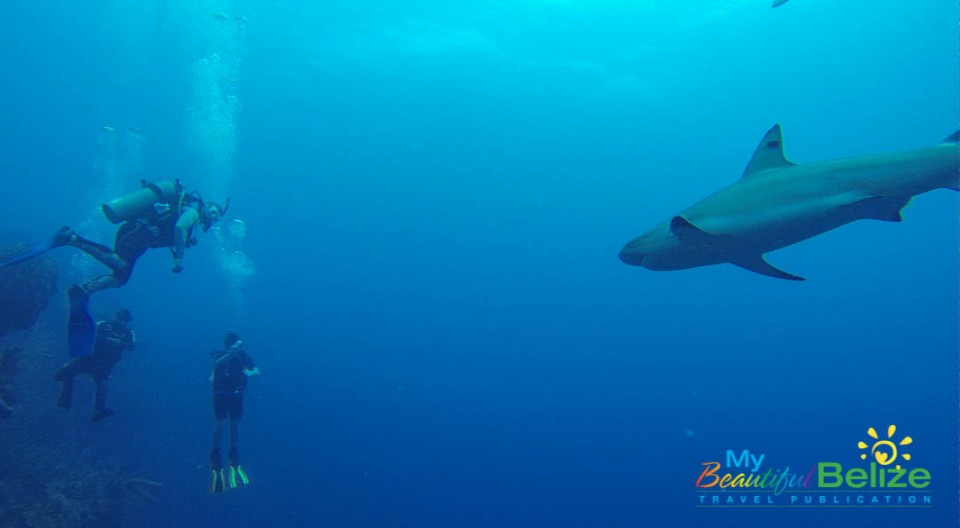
(211, 215)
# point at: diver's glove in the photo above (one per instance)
(252, 372)
(177, 254)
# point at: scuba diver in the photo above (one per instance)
(158, 215)
(161, 214)
(112, 339)
(231, 368)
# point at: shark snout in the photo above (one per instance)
(629, 255)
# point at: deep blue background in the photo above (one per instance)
(435, 197)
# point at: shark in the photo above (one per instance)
(778, 203)
(779, 2)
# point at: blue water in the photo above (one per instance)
(435, 194)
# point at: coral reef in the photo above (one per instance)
(25, 289)
(134, 486)
(47, 477)
(79, 496)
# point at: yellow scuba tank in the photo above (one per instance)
(140, 203)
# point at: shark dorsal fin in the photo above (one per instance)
(769, 154)
(952, 138)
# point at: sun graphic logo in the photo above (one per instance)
(880, 473)
(885, 451)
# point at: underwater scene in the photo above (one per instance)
(527, 263)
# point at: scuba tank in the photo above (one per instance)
(140, 203)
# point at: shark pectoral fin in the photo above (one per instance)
(769, 154)
(756, 264)
(952, 138)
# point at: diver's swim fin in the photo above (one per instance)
(238, 476)
(60, 238)
(81, 329)
(218, 484)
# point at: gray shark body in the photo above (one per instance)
(777, 203)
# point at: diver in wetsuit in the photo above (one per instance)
(158, 215)
(161, 214)
(113, 338)
(231, 368)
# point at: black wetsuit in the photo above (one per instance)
(135, 237)
(111, 341)
(229, 383)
